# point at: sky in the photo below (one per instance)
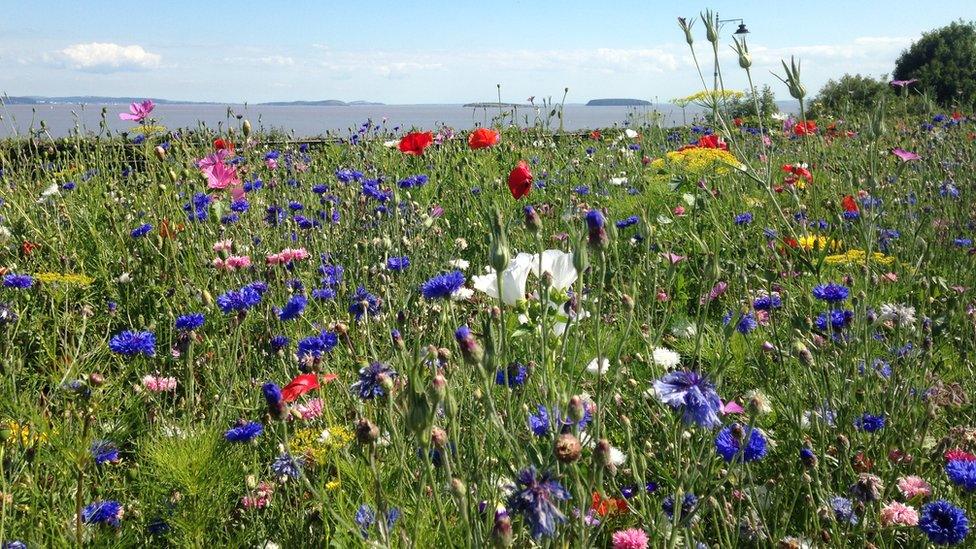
(437, 51)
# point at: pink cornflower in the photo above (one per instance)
(138, 111)
(632, 538)
(311, 409)
(959, 454)
(912, 487)
(159, 384)
(260, 498)
(271, 163)
(898, 514)
(889, 277)
(232, 263)
(679, 210)
(223, 245)
(287, 256)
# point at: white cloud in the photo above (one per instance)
(107, 57)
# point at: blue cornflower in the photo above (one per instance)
(747, 323)
(196, 209)
(312, 347)
(240, 206)
(323, 294)
(362, 303)
(371, 379)
(244, 432)
(743, 219)
(963, 242)
(104, 451)
(398, 263)
(190, 322)
(536, 499)
(729, 441)
(131, 343)
(15, 544)
(843, 509)
(870, 423)
(582, 190)
(541, 423)
(413, 181)
(293, 309)
(279, 342)
(624, 223)
(331, 274)
(943, 523)
(835, 320)
(962, 473)
(141, 230)
(831, 293)
(18, 281)
(594, 219)
(693, 393)
(443, 286)
(102, 512)
(287, 466)
(365, 517)
(767, 302)
(515, 375)
(687, 505)
(69, 186)
(239, 300)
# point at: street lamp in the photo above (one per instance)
(741, 31)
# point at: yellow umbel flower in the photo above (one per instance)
(697, 161)
(707, 98)
(19, 433)
(64, 278)
(858, 257)
(316, 446)
(147, 129)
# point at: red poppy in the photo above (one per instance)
(850, 205)
(605, 506)
(798, 172)
(415, 143)
(221, 144)
(712, 142)
(27, 247)
(595, 135)
(520, 180)
(482, 138)
(807, 127)
(956, 115)
(737, 121)
(302, 384)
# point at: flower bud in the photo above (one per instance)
(686, 27)
(568, 448)
(160, 152)
(577, 409)
(470, 348)
(533, 223)
(246, 128)
(367, 432)
(501, 533)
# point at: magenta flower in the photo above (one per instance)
(220, 175)
(904, 155)
(138, 111)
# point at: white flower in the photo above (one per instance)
(684, 329)
(391, 144)
(48, 192)
(597, 366)
(619, 180)
(559, 264)
(459, 264)
(665, 357)
(617, 457)
(897, 314)
(462, 294)
(630, 133)
(513, 280)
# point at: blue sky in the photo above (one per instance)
(434, 51)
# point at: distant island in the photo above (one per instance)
(100, 100)
(618, 103)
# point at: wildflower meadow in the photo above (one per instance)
(747, 331)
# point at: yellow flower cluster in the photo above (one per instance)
(64, 278)
(697, 161)
(18, 433)
(708, 97)
(811, 243)
(147, 129)
(317, 446)
(858, 257)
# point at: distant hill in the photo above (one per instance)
(100, 100)
(496, 105)
(618, 103)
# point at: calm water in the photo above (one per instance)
(307, 121)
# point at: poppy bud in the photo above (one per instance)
(160, 152)
(628, 302)
(438, 436)
(568, 448)
(804, 354)
(458, 488)
(577, 410)
(367, 432)
(173, 176)
(246, 128)
(601, 454)
(546, 280)
(581, 259)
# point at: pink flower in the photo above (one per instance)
(260, 498)
(889, 277)
(715, 293)
(159, 384)
(287, 256)
(662, 296)
(914, 487)
(732, 407)
(632, 538)
(898, 514)
(223, 245)
(679, 210)
(674, 259)
(138, 111)
(232, 263)
(271, 163)
(311, 409)
(904, 155)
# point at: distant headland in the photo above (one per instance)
(618, 103)
(101, 100)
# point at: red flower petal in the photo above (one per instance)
(299, 386)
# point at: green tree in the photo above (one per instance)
(745, 107)
(944, 62)
(850, 94)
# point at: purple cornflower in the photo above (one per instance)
(243, 432)
(694, 394)
(131, 343)
(443, 286)
(363, 303)
(536, 499)
(371, 380)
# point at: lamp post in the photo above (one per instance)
(741, 31)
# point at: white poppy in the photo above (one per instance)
(559, 264)
(513, 280)
(597, 366)
(630, 133)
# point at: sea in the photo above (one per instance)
(302, 121)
